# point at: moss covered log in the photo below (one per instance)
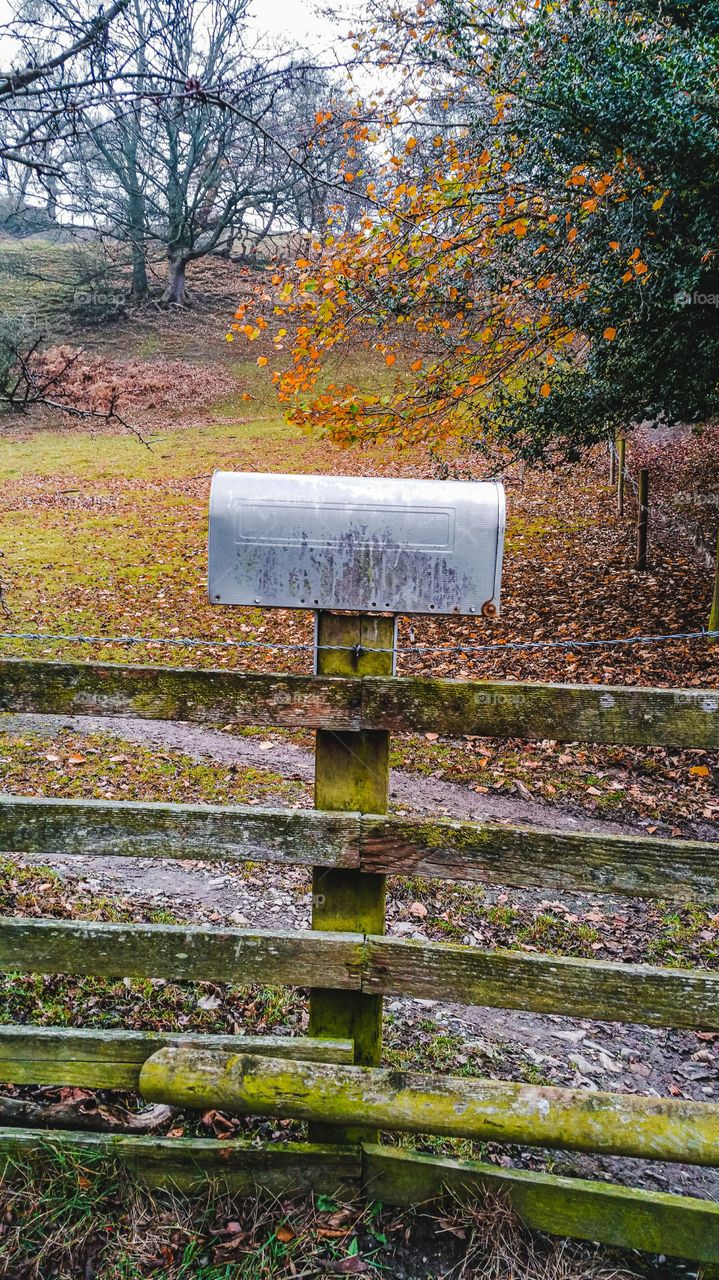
(486, 1110)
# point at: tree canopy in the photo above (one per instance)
(536, 261)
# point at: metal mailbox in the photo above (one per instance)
(355, 543)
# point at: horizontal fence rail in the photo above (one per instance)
(187, 952)
(210, 833)
(483, 1110)
(623, 1217)
(566, 713)
(487, 852)
(604, 990)
(111, 1058)
(537, 857)
(177, 693)
(188, 1164)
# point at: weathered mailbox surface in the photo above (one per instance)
(345, 542)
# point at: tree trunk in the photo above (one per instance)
(176, 291)
(139, 289)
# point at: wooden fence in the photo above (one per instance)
(333, 1078)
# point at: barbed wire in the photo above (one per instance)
(279, 646)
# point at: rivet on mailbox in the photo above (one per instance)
(355, 543)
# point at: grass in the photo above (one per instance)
(97, 766)
(75, 1219)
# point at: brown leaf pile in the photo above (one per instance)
(143, 391)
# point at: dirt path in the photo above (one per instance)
(413, 792)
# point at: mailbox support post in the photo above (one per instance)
(352, 774)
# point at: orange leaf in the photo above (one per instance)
(700, 771)
(610, 334)
(545, 389)
(416, 366)
(262, 360)
(390, 359)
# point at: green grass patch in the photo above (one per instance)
(98, 766)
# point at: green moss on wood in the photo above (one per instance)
(656, 1222)
(485, 1110)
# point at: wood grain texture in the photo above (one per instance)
(494, 853)
(653, 1221)
(207, 832)
(188, 1164)
(374, 965)
(592, 713)
(176, 693)
(351, 773)
(567, 713)
(603, 990)
(111, 1058)
(191, 953)
(407, 1102)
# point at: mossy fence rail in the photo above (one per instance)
(333, 1078)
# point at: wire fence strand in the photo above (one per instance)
(190, 642)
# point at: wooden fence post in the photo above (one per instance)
(714, 613)
(622, 447)
(643, 519)
(351, 773)
(612, 463)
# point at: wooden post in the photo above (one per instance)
(643, 519)
(612, 463)
(622, 447)
(351, 773)
(714, 614)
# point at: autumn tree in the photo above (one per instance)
(536, 260)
